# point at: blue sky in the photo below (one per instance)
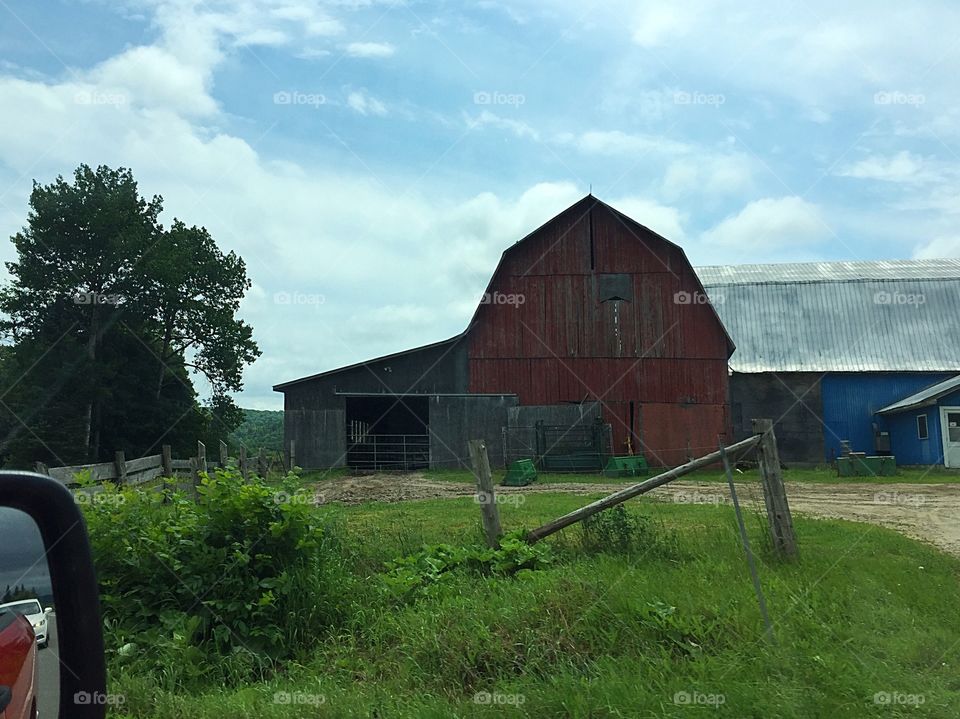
(371, 160)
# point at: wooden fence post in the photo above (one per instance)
(774, 493)
(485, 494)
(41, 468)
(262, 463)
(243, 462)
(120, 461)
(167, 459)
(201, 456)
(223, 453)
(195, 475)
(292, 455)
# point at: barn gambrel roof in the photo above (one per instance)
(890, 316)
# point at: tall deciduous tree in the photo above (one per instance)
(108, 312)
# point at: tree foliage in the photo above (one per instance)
(260, 428)
(108, 313)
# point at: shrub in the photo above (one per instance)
(421, 572)
(618, 531)
(226, 585)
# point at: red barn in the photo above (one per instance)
(590, 319)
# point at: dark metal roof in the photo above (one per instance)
(923, 398)
(426, 394)
(280, 387)
(893, 316)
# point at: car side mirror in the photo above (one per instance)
(59, 538)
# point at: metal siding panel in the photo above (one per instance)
(850, 401)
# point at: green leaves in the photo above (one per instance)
(239, 571)
(108, 311)
(409, 576)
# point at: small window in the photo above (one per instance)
(922, 427)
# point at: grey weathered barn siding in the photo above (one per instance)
(453, 418)
(792, 400)
(315, 411)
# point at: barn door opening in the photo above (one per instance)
(387, 432)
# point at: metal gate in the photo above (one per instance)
(388, 451)
(560, 448)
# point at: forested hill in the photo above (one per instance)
(260, 428)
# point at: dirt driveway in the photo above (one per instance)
(930, 512)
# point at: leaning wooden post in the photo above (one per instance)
(636, 490)
(774, 493)
(120, 463)
(223, 454)
(166, 460)
(243, 462)
(201, 456)
(485, 494)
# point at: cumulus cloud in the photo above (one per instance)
(773, 225)
(938, 247)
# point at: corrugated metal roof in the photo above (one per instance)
(829, 272)
(924, 397)
(899, 316)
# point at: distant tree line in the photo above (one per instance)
(18, 592)
(107, 317)
(259, 428)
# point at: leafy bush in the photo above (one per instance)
(420, 573)
(619, 531)
(217, 589)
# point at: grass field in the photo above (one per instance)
(865, 626)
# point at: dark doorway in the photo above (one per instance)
(388, 432)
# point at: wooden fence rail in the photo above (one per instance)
(142, 470)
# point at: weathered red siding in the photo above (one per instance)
(562, 344)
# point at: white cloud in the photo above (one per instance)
(938, 247)
(366, 104)
(773, 225)
(370, 49)
(711, 174)
(658, 23)
(491, 119)
(665, 221)
(616, 142)
(902, 167)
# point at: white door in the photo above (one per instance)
(950, 429)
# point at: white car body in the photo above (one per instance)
(34, 613)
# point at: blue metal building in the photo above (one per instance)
(925, 427)
(822, 348)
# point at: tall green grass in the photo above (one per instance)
(665, 624)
